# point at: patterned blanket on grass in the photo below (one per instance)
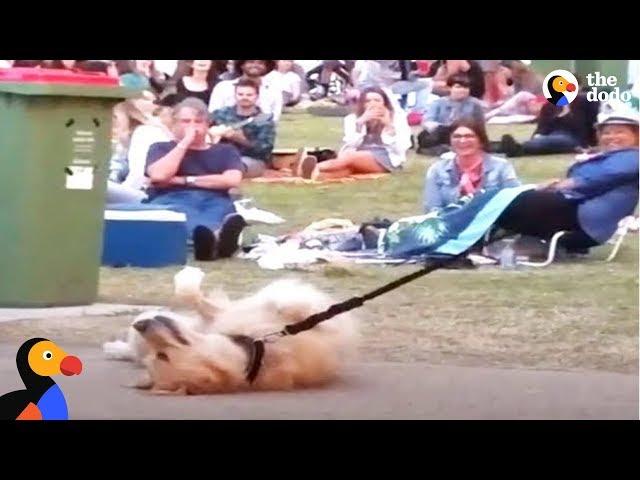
(450, 230)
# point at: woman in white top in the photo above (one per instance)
(134, 133)
(284, 79)
(376, 140)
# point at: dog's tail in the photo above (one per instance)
(119, 350)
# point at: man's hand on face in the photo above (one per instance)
(190, 135)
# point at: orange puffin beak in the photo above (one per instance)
(71, 365)
(571, 87)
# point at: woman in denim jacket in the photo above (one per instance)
(467, 169)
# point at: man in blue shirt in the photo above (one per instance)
(193, 177)
(595, 196)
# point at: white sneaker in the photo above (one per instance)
(254, 214)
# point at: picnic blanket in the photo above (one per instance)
(445, 232)
(285, 159)
(451, 230)
(287, 176)
(331, 240)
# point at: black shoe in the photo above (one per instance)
(229, 234)
(370, 235)
(434, 151)
(462, 263)
(578, 251)
(204, 243)
(510, 146)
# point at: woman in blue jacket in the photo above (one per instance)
(595, 196)
(467, 169)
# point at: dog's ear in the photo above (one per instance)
(217, 379)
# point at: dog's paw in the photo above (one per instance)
(118, 350)
(142, 383)
(181, 391)
(187, 283)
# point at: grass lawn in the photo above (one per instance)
(574, 315)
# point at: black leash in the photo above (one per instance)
(256, 352)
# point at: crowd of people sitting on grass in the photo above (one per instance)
(199, 127)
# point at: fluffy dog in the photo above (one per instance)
(210, 353)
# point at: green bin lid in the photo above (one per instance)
(49, 81)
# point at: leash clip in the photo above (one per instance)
(257, 353)
(272, 337)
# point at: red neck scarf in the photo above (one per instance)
(470, 177)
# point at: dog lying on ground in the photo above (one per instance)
(209, 353)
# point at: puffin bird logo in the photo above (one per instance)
(560, 87)
(38, 359)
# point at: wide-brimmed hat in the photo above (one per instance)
(626, 117)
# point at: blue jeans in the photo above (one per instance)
(202, 207)
(555, 142)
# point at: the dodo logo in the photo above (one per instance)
(38, 359)
(560, 87)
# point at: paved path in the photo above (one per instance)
(367, 391)
(94, 310)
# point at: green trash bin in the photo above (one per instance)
(55, 144)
